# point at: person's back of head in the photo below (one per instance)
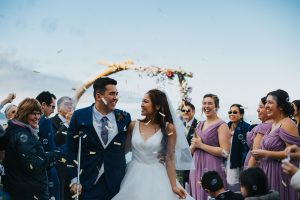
(212, 182)
(254, 182)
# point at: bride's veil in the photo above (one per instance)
(183, 156)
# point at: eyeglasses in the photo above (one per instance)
(35, 113)
(186, 111)
(232, 112)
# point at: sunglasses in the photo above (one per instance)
(186, 111)
(232, 112)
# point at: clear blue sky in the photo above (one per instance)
(239, 50)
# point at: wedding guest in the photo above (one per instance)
(214, 186)
(255, 135)
(284, 132)
(25, 159)
(254, 185)
(296, 113)
(239, 148)
(210, 145)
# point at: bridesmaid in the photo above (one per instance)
(210, 145)
(254, 137)
(283, 133)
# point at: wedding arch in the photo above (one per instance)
(151, 71)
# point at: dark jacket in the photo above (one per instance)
(25, 164)
(272, 195)
(239, 147)
(113, 156)
(229, 195)
(191, 132)
(60, 132)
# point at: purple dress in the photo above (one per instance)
(260, 128)
(278, 180)
(206, 162)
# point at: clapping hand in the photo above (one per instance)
(293, 151)
(258, 153)
(289, 168)
(196, 142)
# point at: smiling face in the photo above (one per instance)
(272, 108)
(147, 106)
(108, 100)
(234, 114)
(33, 119)
(208, 106)
(262, 112)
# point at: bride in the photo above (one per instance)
(153, 138)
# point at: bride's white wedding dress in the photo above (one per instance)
(146, 178)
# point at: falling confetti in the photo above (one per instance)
(75, 161)
(35, 197)
(31, 167)
(84, 136)
(171, 133)
(63, 160)
(92, 152)
(283, 183)
(35, 71)
(75, 195)
(125, 128)
(162, 114)
(70, 166)
(59, 51)
(117, 143)
(148, 122)
(80, 172)
(75, 136)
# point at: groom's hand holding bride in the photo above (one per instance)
(180, 192)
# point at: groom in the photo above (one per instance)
(103, 130)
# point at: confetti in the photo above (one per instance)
(80, 172)
(35, 197)
(75, 161)
(170, 133)
(63, 160)
(162, 114)
(75, 195)
(148, 122)
(75, 136)
(108, 128)
(104, 101)
(84, 136)
(92, 153)
(283, 183)
(109, 124)
(117, 143)
(35, 71)
(64, 132)
(125, 128)
(70, 166)
(59, 51)
(31, 167)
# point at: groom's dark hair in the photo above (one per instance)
(100, 84)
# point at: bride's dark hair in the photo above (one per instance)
(162, 115)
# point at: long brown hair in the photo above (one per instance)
(159, 99)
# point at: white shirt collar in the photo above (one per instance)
(98, 115)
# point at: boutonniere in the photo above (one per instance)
(120, 116)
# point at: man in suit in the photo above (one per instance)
(104, 131)
(46, 137)
(190, 123)
(60, 123)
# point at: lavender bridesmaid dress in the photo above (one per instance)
(260, 128)
(278, 180)
(206, 162)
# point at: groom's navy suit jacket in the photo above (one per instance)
(93, 154)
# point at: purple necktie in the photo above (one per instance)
(104, 131)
